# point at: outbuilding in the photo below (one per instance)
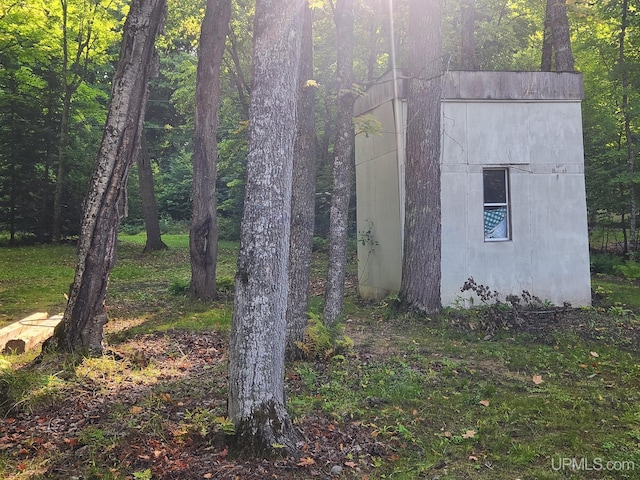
(514, 214)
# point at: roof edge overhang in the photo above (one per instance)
(480, 86)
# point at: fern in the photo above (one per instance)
(322, 342)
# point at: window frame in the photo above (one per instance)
(506, 204)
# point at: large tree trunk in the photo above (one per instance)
(342, 163)
(468, 42)
(149, 205)
(257, 343)
(557, 11)
(303, 196)
(421, 274)
(203, 237)
(81, 328)
(546, 63)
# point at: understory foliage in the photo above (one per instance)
(322, 342)
(495, 314)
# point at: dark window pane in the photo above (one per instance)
(495, 186)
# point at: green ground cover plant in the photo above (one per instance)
(400, 396)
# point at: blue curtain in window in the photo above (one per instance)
(495, 222)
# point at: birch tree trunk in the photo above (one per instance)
(421, 274)
(149, 205)
(203, 237)
(257, 343)
(81, 328)
(303, 196)
(342, 163)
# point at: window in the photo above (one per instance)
(496, 204)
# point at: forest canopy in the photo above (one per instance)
(57, 59)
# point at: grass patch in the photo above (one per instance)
(616, 291)
(34, 279)
(456, 406)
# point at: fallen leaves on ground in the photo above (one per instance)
(134, 419)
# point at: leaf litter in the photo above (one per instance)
(128, 418)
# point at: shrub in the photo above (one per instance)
(494, 314)
(320, 244)
(131, 228)
(169, 226)
(605, 263)
(630, 270)
(228, 229)
(179, 287)
(322, 342)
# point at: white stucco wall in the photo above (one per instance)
(537, 136)
(540, 143)
(379, 216)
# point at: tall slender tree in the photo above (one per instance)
(342, 163)
(79, 45)
(302, 195)
(81, 328)
(149, 205)
(626, 110)
(257, 343)
(203, 237)
(421, 274)
(237, 72)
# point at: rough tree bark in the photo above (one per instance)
(468, 43)
(81, 328)
(303, 196)
(203, 237)
(557, 12)
(546, 63)
(342, 163)
(149, 205)
(257, 344)
(421, 275)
